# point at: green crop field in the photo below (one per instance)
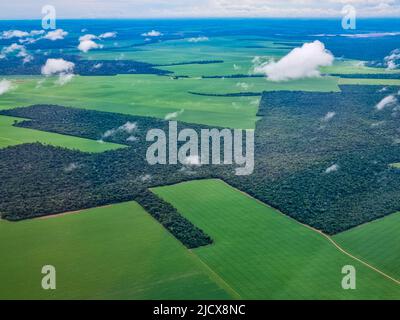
(10, 135)
(114, 252)
(156, 96)
(144, 95)
(378, 242)
(262, 254)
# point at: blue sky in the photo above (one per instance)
(31, 9)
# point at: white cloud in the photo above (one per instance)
(198, 39)
(107, 35)
(18, 50)
(71, 167)
(329, 116)
(9, 34)
(152, 33)
(146, 177)
(192, 160)
(387, 101)
(58, 34)
(5, 86)
(87, 45)
(392, 59)
(57, 66)
(173, 115)
(87, 37)
(302, 62)
(332, 168)
(128, 127)
(243, 85)
(64, 78)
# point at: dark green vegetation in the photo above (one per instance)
(368, 76)
(332, 174)
(296, 143)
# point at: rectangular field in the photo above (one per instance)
(114, 252)
(263, 254)
(378, 242)
(10, 136)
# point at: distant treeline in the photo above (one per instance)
(189, 62)
(368, 76)
(14, 66)
(235, 76)
(236, 94)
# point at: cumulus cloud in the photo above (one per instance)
(329, 116)
(87, 45)
(128, 127)
(302, 62)
(385, 102)
(64, 78)
(192, 160)
(9, 34)
(146, 177)
(87, 37)
(198, 39)
(173, 115)
(58, 34)
(243, 85)
(18, 50)
(107, 35)
(5, 86)
(71, 167)
(152, 33)
(392, 60)
(57, 66)
(332, 168)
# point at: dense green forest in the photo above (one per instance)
(322, 158)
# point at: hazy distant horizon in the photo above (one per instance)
(143, 9)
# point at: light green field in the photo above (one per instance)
(263, 254)
(355, 67)
(144, 95)
(378, 242)
(374, 82)
(10, 136)
(156, 96)
(395, 165)
(115, 252)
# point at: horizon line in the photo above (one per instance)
(203, 18)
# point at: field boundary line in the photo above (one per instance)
(333, 242)
(216, 275)
(358, 259)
